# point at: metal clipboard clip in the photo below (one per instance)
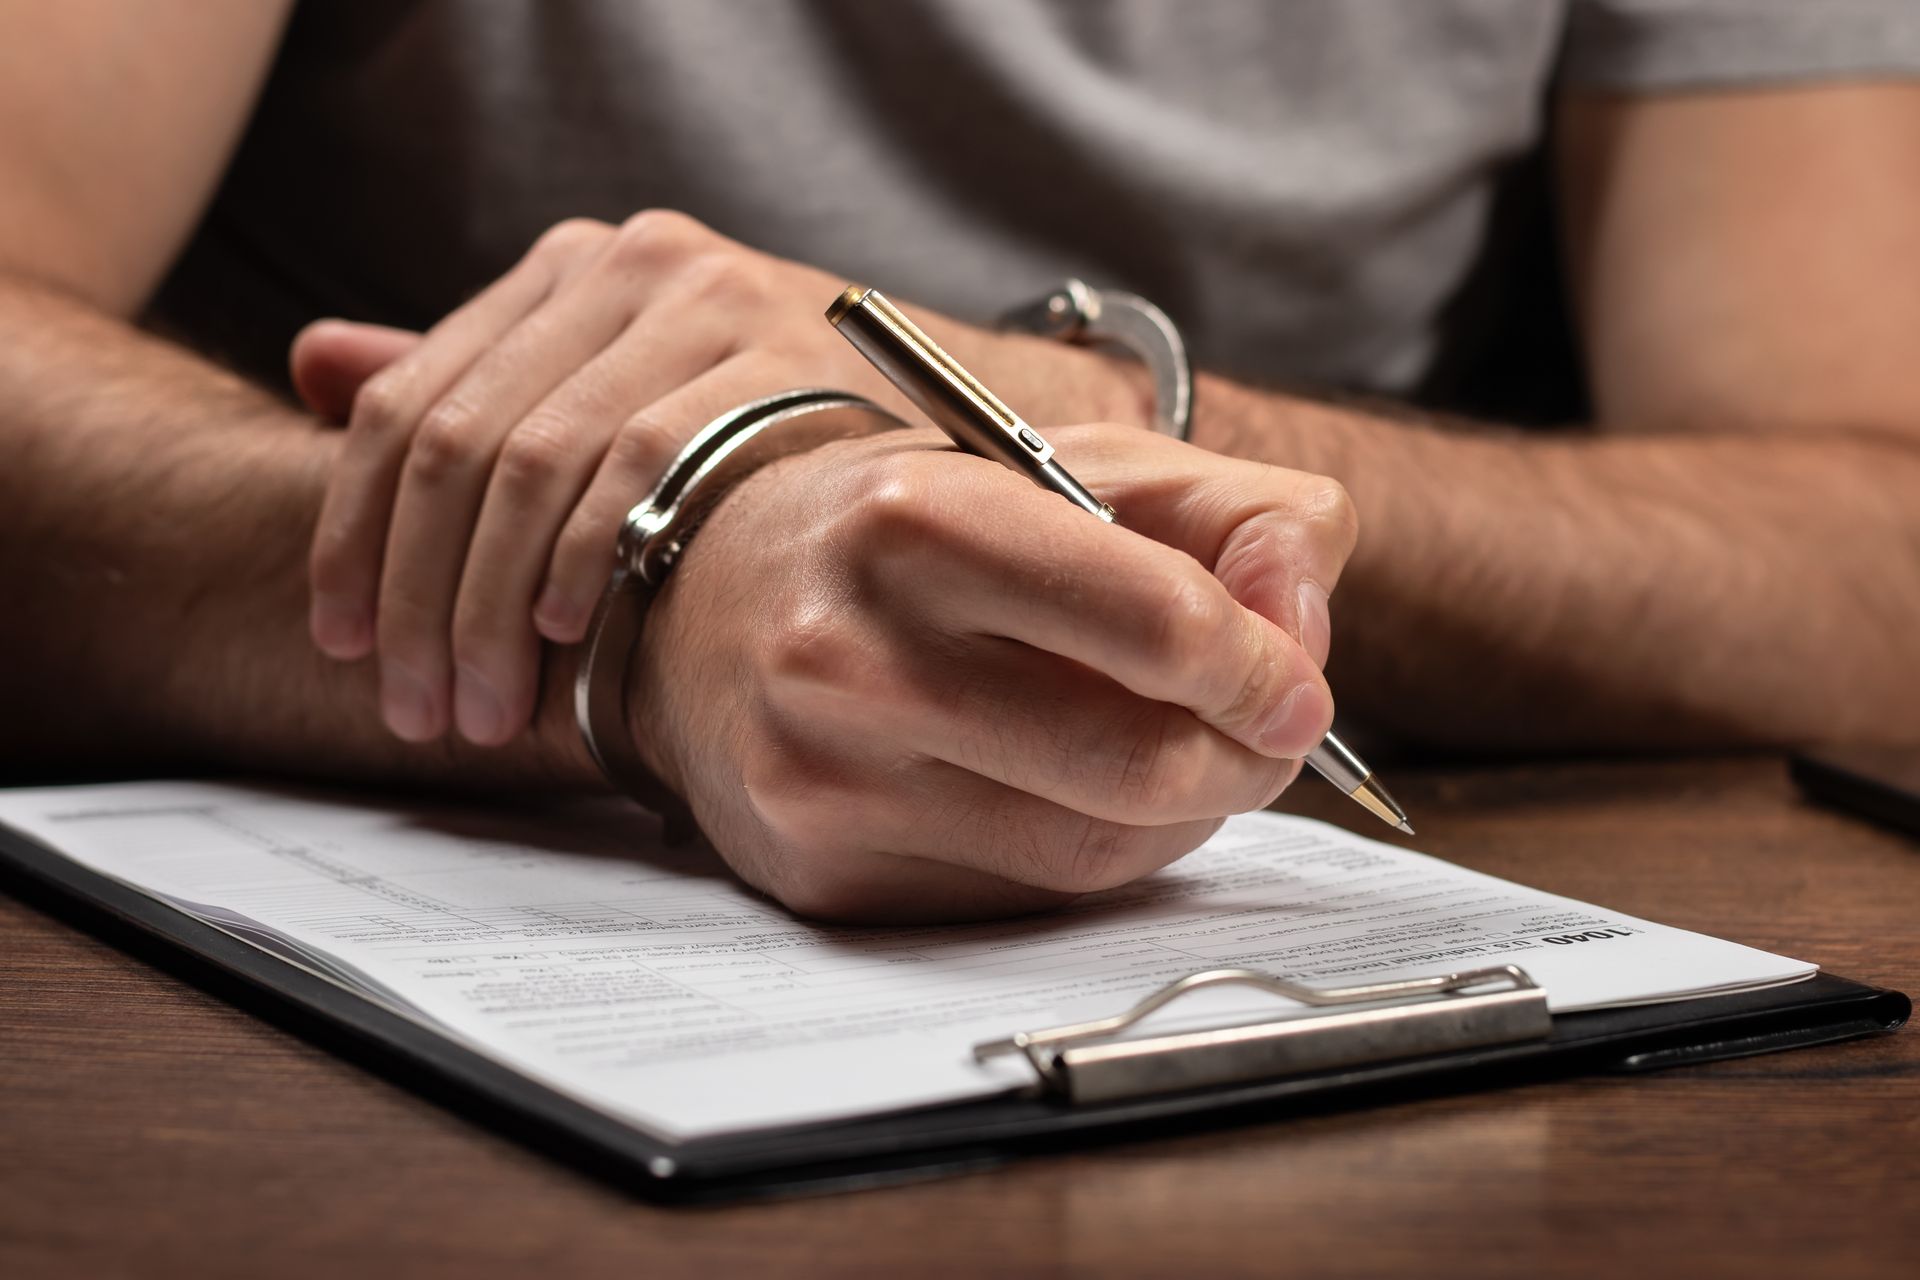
(1085, 1063)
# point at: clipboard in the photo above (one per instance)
(1364, 1046)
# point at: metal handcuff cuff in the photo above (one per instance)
(740, 442)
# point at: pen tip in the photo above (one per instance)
(1404, 825)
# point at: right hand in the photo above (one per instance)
(898, 682)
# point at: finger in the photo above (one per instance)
(350, 538)
(1277, 539)
(1032, 721)
(928, 839)
(543, 467)
(638, 453)
(442, 484)
(1041, 572)
(962, 819)
(895, 889)
(331, 359)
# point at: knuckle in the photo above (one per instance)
(900, 504)
(1328, 507)
(1258, 692)
(533, 454)
(1183, 633)
(570, 239)
(896, 530)
(443, 443)
(1309, 534)
(811, 651)
(661, 223)
(653, 235)
(1156, 774)
(800, 805)
(1096, 855)
(381, 402)
(644, 444)
(643, 434)
(722, 280)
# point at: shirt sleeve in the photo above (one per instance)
(1686, 44)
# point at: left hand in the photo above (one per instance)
(490, 462)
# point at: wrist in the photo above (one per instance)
(1116, 388)
(1058, 384)
(620, 698)
(1050, 383)
(559, 750)
(1274, 427)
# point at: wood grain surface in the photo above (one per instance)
(148, 1129)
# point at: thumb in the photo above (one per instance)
(1276, 539)
(330, 359)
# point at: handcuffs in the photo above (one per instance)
(740, 442)
(1077, 312)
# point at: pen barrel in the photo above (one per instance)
(972, 415)
(1335, 761)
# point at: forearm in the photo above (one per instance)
(154, 520)
(1611, 591)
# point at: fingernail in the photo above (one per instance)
(407, 705)
(1299, 722)
(558, 618)
(339, 629)
(1316, 625)
(477, 708)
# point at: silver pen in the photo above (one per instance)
(980, 423)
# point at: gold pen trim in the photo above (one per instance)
(891, 317)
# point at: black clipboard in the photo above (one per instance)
(948, 1139)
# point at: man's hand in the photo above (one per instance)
(490, 463)
(897, 681)
(890, 679)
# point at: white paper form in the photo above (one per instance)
(654, 987)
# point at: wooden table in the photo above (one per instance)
(148, 1129)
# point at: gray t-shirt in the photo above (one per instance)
(1334, 193)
